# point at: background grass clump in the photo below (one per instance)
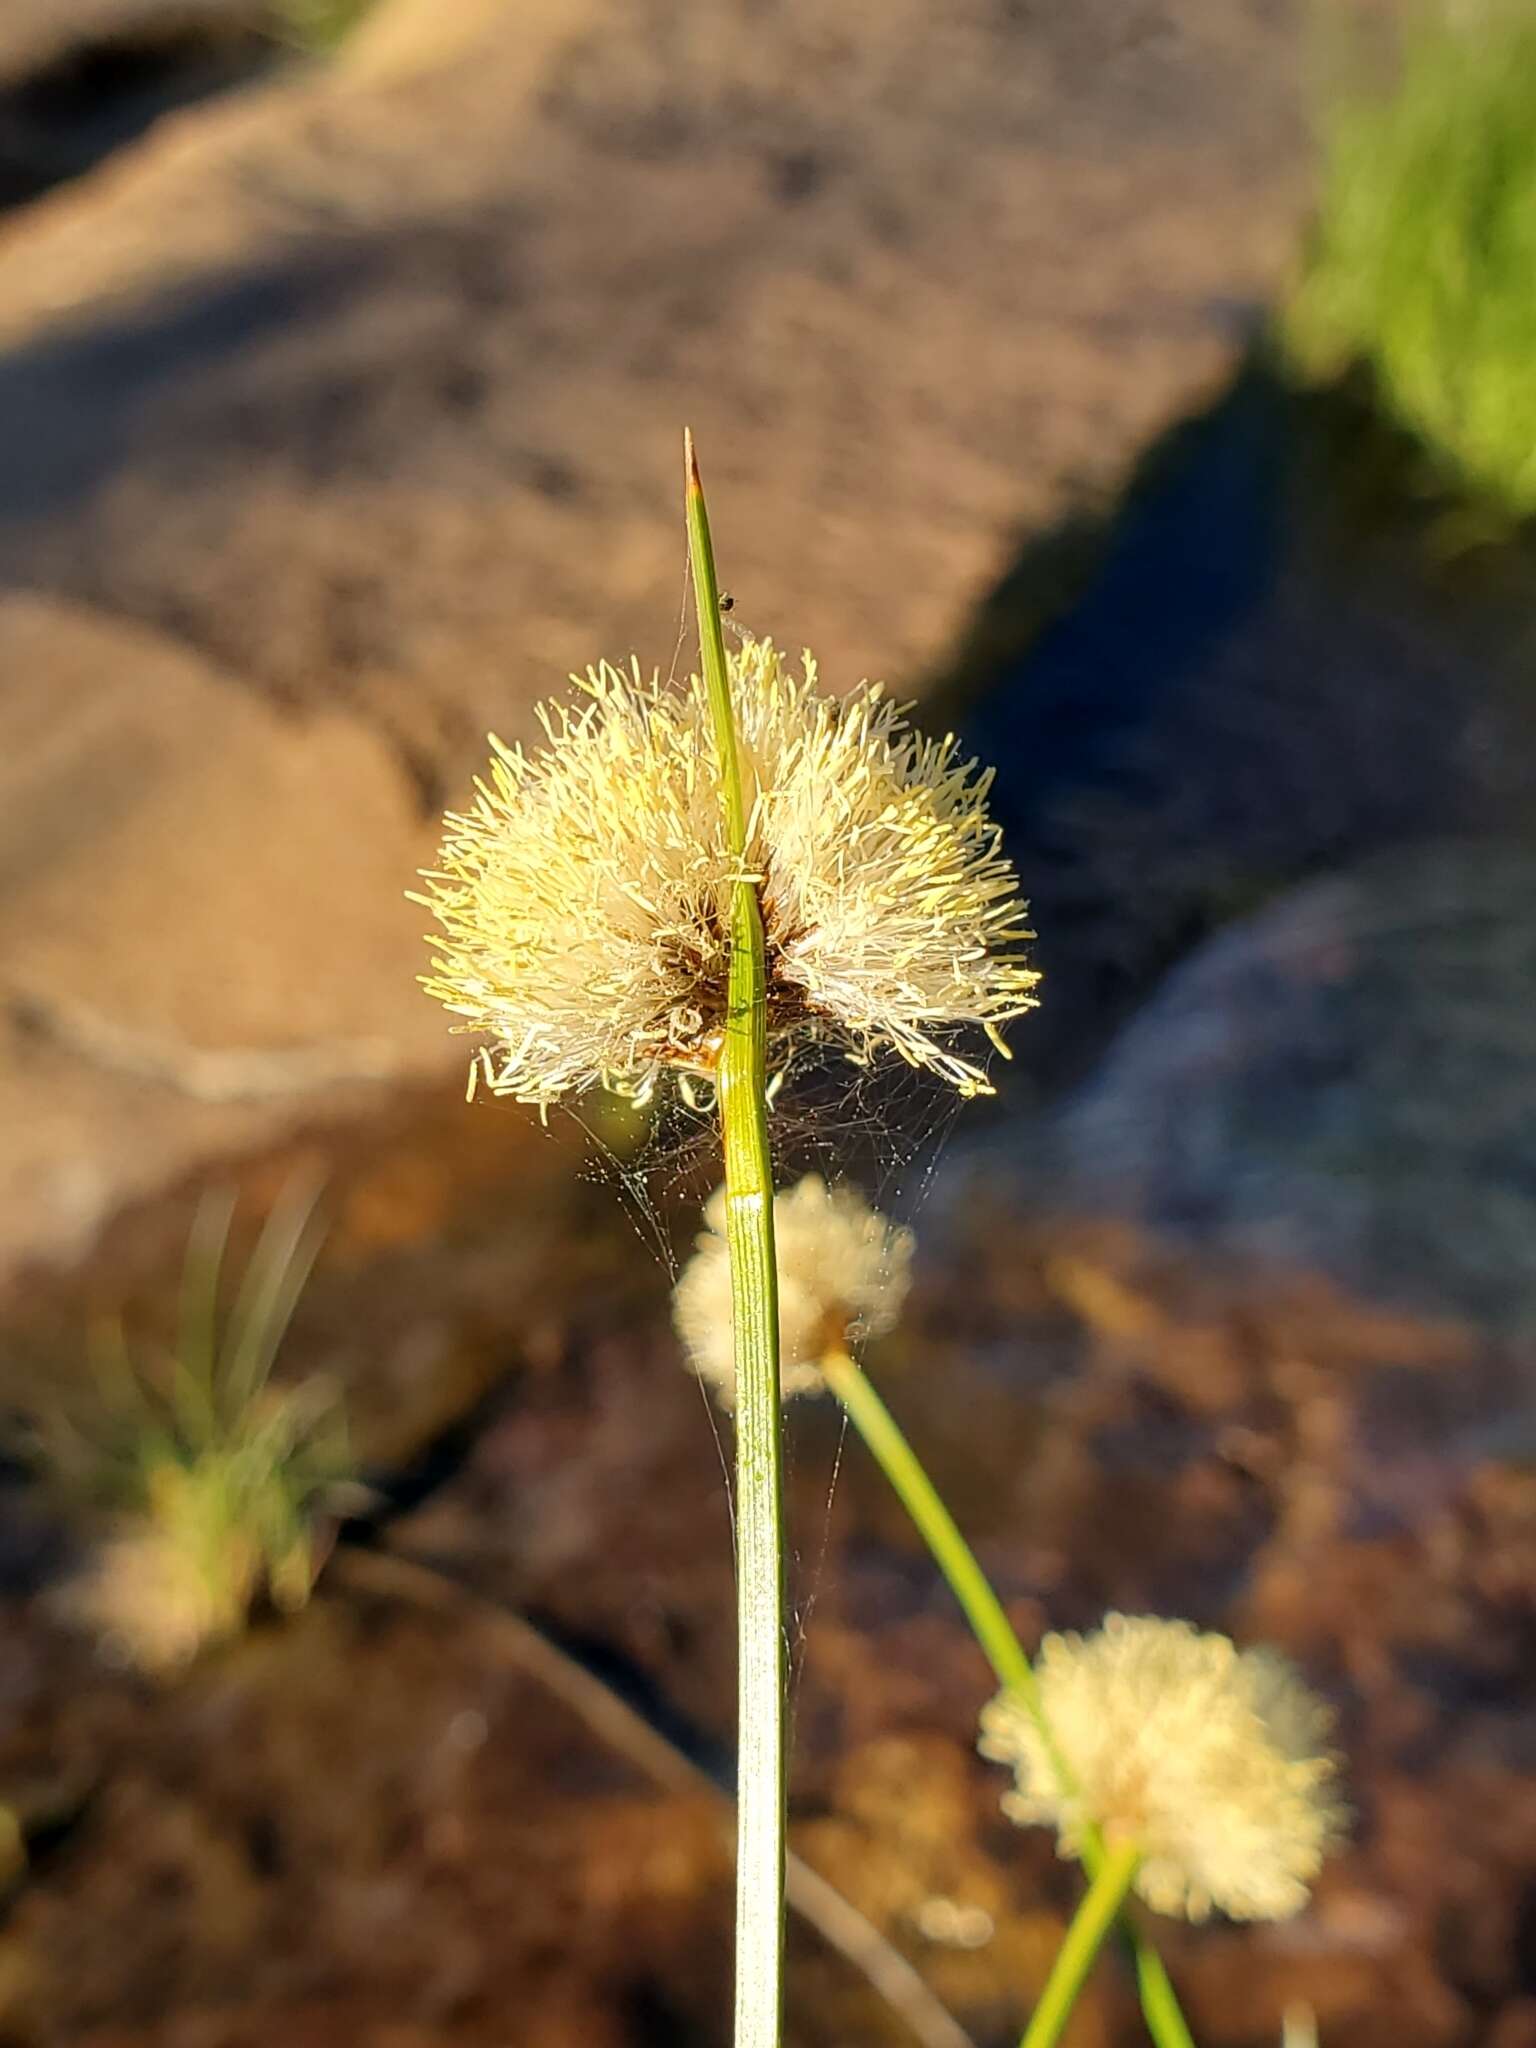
(218, 1486)
(318, 25)
(1422, 264)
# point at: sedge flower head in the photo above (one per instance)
(844, 1271)
(219, 1487)
(155, 1600)
(583, 896)
(1214, 1760)
(208, 1534)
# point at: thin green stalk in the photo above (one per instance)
(1085, 1937)
(742, 1080)
(995, 1633)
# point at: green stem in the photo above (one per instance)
(936, 1525)
(1085, 1937)
(995, 1633)
(1160, 2006)
(742, 1081)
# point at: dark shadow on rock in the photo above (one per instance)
(70, 401)
(1277, 655)
(67, 116)
(175, 459)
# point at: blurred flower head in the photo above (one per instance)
(583, 897)
(217, 1486)
(159, 1588)
(844, 1271)
(1212, 1759)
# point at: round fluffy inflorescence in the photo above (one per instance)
(583, 897)
(1212, 1759)
(844, 1271)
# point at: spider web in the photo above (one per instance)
(883, 1129)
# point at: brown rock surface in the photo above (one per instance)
(412, 355)
(201, 917)
(365, 387)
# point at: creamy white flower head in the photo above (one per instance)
(1212, 1759)
(583, 896)
(844, 1271)
(150, 1603)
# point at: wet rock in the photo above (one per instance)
(1345, 1084)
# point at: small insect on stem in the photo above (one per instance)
(743, 635)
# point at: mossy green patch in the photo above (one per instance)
(1422, 264)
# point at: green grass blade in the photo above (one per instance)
(194, 1370)
(269, 1293)
(743, 1090)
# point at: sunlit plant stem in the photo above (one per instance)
(742, 1081)
(999, 1642)
(1085, 1937)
